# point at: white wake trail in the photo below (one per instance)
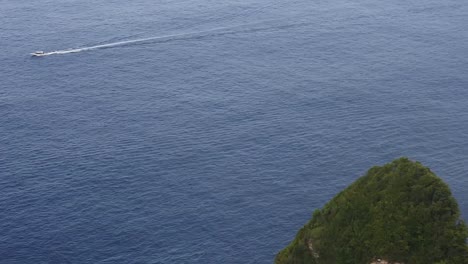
(136, 41)
(189, 35)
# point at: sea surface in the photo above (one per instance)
(202, 131)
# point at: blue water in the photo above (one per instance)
(216, 129)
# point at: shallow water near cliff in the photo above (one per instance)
(209, 131)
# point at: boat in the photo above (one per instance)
(39, 53)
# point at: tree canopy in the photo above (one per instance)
(400, 212)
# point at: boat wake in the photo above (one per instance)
(244, 28)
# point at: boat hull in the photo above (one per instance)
(38, 54)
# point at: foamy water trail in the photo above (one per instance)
(189, 35)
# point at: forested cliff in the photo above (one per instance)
(400, 212)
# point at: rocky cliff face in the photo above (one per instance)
(397, 213)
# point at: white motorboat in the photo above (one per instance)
(38, 54)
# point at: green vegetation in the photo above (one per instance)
(400, 212)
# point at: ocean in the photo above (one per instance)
(208, 131)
